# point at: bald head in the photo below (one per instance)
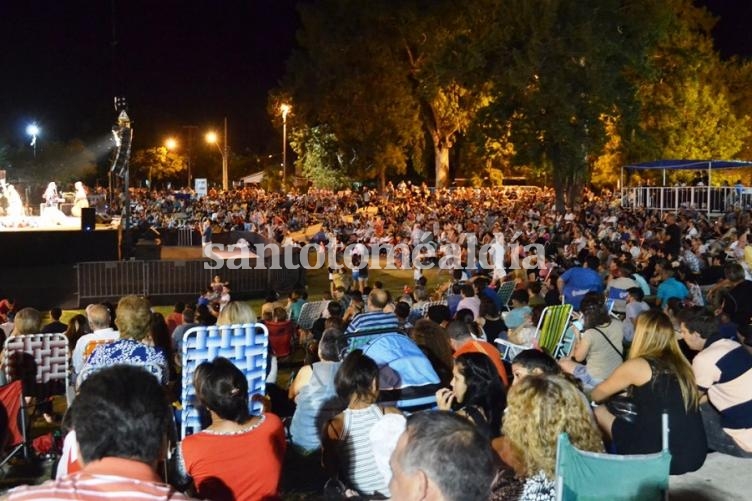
(98, 316)
(377, 299)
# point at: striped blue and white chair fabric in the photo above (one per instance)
(244, 345)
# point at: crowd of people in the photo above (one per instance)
(662, 327)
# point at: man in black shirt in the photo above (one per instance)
(672, 242)
(56, 325)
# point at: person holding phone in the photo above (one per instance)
(598, 347)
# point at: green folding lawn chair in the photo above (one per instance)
(590, 476)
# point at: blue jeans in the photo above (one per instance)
(719, 440)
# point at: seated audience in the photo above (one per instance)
(120, 419)
(477, 393)
(539, 408)
(98, 317)
(374, 316)
(315, 395)
(440, 456)
(433, 341)
(134, 347)
(175, 318)
(661, 381)
(189, 320)
(238, 456)
(281, 332)
(346, 447)
(27, 321)
(635, 305)
(56, 325)
(463, 341)
(598, 348)
(533, 362)
(723, 371)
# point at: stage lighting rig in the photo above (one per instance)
(123, 135)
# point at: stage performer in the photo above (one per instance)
(50, 195)
(80, 201)
(50, 211)
(15, 205)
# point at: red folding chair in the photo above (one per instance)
(12, 408)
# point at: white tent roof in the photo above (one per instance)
(254, 178)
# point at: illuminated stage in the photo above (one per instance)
(38, 223)
(37, 241)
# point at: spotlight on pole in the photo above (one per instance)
(33, 131)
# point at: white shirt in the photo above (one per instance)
(98, 335)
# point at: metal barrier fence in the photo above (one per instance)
(109, 280)
(673, 198)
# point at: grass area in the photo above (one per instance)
(317, 285)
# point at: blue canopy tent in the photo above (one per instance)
(709, 165)
(665, 165)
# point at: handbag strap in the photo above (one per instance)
(617, 350)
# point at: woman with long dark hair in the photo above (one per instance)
(477, 392)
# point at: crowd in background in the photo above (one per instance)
(675, 336)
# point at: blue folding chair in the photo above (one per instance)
(244, 345)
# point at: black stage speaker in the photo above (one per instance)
(88, 218)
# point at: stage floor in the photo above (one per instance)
(38, 223)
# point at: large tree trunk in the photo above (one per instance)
(382, 180)
(441, 152)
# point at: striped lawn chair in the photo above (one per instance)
(46, 354)
(244, 345)
(310, 312)
(425, 307)
(550, 332)
(505, 294)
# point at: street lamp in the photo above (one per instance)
(33, 130)
(284, 108)
(211, 137)
(171, 143)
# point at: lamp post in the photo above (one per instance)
(211, 137)
(285, 109)
(33, 130)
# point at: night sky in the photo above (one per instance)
(178, 63)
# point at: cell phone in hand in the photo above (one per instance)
(579, 324)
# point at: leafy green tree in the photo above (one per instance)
(319, 159)
(390, 78)
(559, 66)
(739, 75)
(158, 163)
(687, 109)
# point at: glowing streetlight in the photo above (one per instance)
(213, 138)
(33, 131)
(171, 143)
(284, 108)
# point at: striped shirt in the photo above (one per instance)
(373, 320)
(356, 454)
(108, 478)
(724, 369)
